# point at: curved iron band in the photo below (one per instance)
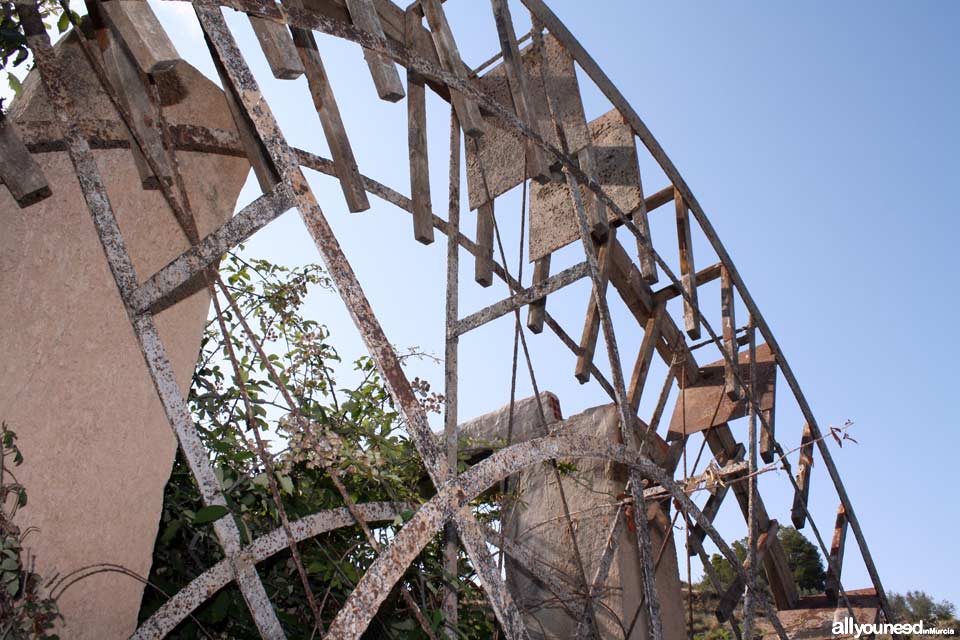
(181, 605)
(372, 589)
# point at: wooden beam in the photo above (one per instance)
(382, 69)
(799, 514)
(483, 267)
(637, 295)
(671, 291)
(19, 171)
(638, 380)
(832, 583)
(538, 308)
(591, 323)
(688, 276)
(142, 34)
(731, 368)
(419, 164)
(645, 254)
(333, 130)
(519, 89)
(730, 598)
(130, 86)
(278, 48)
(449, 55)
(768, 442)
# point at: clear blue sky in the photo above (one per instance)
(820, 137)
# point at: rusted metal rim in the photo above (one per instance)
(181, 605)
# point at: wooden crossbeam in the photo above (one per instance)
(730, 597)
(483, 266)
(417, 143)
(18, 170)
(799, 514)
(832, 583)
(671, 291)
(648, 264)
(648, 346)
(768, 443)
(130, 86)
(345, 164)
(538, 308)
(467, 110)
(278, 48)
(731, 368)
(591, 323)
(142, 34)
(650, 203)
(688, 276)
(784, 588)
(382, 69)
(519, 89)
(637, 295)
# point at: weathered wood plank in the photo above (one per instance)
(638, 379)
(591, 324)
(610, 159)
(832, 583)
(671, 291)
(731, 367)
(688, 276)
(142, 34)
(648, 263)
(519, 89)
(706, 404)
(499, 161)
(638, 297)
(798, 513)
(131, 88)
(19, 171)
(483, 267)
(538, 308)
(768, 442)
(419, 164)
(278, 48)
(467, 110)
(333, 130)
(382, 69)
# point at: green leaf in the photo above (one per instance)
(171, 531)
(10, 564)
(14, 83)
(210, 514)
(64, 22)
(286, 484)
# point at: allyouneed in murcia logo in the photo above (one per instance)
(847, 627)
